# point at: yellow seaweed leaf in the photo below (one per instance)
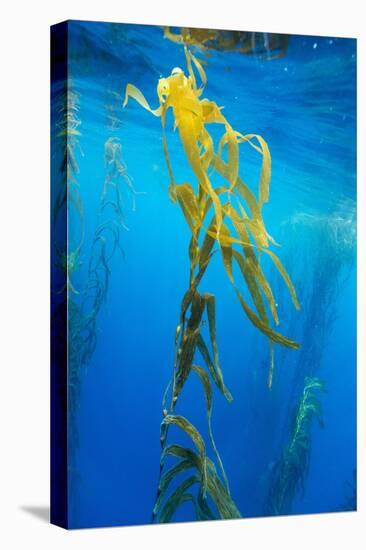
(252, 286)
(189, 58)
(232, 165)
(266, 165)
(272, 334)
(285, 277)
(188, 202)
(226, 250)
(132, 91)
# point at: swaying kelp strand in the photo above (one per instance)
(243, 240)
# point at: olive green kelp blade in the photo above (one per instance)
(216, 491)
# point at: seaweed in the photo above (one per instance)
(244, 239)
(68, 197)
(84, 301)
(262, 45)
(289, 473)
(331, 240)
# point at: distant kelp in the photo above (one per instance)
(116, 172)
(330, 241)
(242, 239)
(290, 471)
(84, 301)
(107, 238)
(68, 202)
(261, 44)
(68, 230)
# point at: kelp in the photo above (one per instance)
(106, 242)
(68, 197)
(261, 45)
(107, 237)
(290, 471)
(330, 241)
(67, 226)
(116, 169)
(192, 115)
(84, 302)
(244, 239)
(210, 486)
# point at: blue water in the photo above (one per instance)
(303, 104)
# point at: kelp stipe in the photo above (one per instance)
(242, 241)
(290, 471)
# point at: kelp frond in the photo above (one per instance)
(245, 238)
(242, 241)
(205, 477)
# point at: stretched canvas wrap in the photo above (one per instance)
(203, 274)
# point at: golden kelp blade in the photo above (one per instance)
(188, 202)
(285, 277)
(189, 58)
(252, 286)
(132, 91)
(272, 334)
(227, 253)
(266, 165)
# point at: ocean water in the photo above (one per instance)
(133, 251)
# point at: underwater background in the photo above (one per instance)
(130, 271)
